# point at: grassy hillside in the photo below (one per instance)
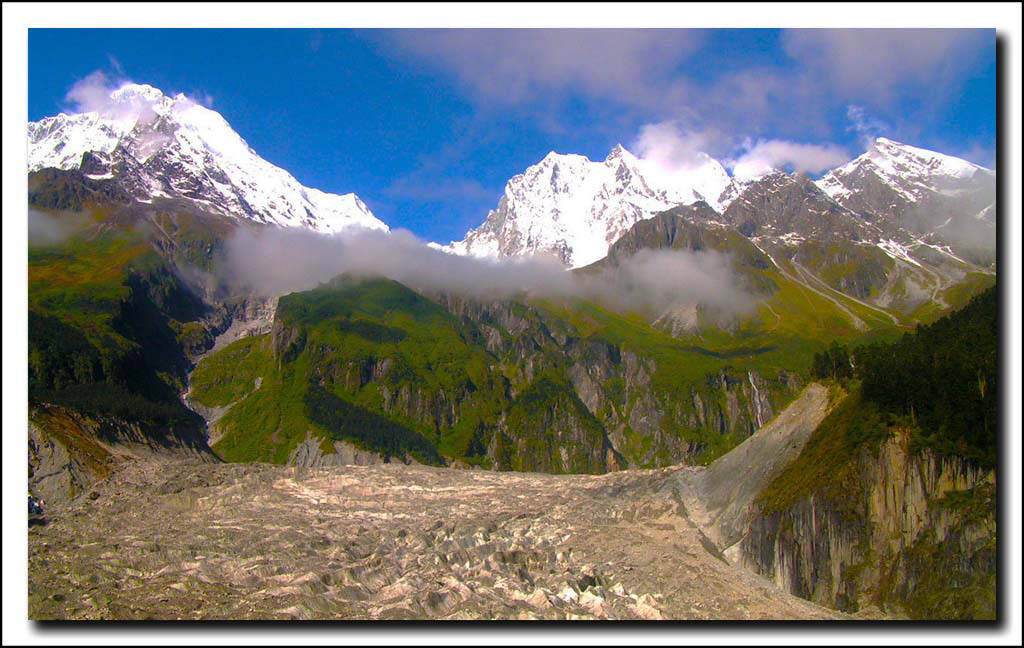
(352, 360)
(108, 324)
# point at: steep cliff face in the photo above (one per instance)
(649, 420)
(720, 498)
(908, 531)
(547, 428)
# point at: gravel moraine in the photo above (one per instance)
(255, 541)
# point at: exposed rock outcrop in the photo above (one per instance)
(647, 425)
(907, 531)
(310, 454)
(69, 452)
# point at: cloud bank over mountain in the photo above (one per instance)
(651, 280)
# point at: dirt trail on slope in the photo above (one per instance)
(720, 497)
(254, 541)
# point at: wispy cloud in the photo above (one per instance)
(865, 126)
(53, 227)
(661, 74)
(509, 66)
(981, 154)
(877, 65)
(92, 93)
(762, 156)
(95, 93)
(418, 186)
(116, 65)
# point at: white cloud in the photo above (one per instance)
(675, 148)
(98, 93)
(91, 94)
(53, 227)
(867, 127)
(508, 66)
(764, 155)
(94, 93)
(650, 72)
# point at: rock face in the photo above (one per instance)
(779, 204)
(906, 528)
(55, 474)
(309, 454)
(248, 315)
(942, 199)
(644, 425)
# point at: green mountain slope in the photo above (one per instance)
(565, 386)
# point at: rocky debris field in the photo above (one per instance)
(253, 541)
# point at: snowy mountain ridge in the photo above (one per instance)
(172, 147)
(156, 146)
(908, 170)
(575, 208)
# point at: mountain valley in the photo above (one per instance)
(426, 452)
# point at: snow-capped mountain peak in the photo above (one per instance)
(157, 146)
(922, 194)
(909, 171)
(905, 158)
(575, 208)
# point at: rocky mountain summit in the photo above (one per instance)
(939, 199)
(574, 208)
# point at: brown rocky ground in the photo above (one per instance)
(182, 540)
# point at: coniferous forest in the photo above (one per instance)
(941, 379)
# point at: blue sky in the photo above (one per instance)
(426, 126)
